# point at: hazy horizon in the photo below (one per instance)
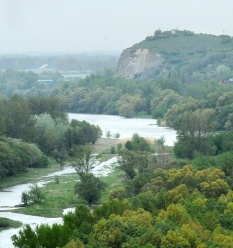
(103, 26)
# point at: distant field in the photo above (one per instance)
(74, 75)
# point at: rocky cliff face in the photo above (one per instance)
(139, 64)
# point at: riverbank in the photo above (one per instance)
(102, 146)
(30, 176)
(57, 185)
(6, 223)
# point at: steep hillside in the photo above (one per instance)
(180, 51)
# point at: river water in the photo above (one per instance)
(126, 127)
(11, 196)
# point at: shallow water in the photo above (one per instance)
(11, 196)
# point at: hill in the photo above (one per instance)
(180, 52)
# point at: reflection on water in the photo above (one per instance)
(126, 127)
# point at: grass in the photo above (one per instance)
(7, 223)
(58, 196)
(105, 156)
(113, 180)
(74, 75)
(185, 50)
(31, 175)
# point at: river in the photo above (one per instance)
(11, 196)
(126, 127)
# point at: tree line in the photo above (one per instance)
(35, 128)
(165, 97)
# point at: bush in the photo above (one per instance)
(35, 195)
(112, 150)
(138, 143)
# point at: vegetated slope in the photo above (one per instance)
(180, 50)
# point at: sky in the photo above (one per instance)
(77, 26)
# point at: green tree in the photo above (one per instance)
(128, 105)
(81, 133)
(34, 195)
(85, 161)
(192, 130)
(163, 100)
(138, 143)
(90, 188)
(16, 119)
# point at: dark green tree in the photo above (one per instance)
(192, 131)
(138, 143)
(90, 188)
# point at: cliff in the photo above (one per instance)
(177, 51)
(141, 63)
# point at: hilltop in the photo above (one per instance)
(199, 55)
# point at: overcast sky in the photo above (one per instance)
(67, 26)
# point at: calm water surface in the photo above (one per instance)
(126, 127)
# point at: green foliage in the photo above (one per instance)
(89, 188)
(175, 47)
(195, 213)
(138, 143)
(118, 193)
(84, 159)
(80, 223)
(114, 206)
(108, 134)
(81, 133)
(134, 163)
(16, 156)
(27, 237)
(52, 105)
(35, 195)
(112, 150)
(162, 101)
(128, 105)
(41, 237)
(25, 198)
(192, 129)
(16, 120)
(8, 223)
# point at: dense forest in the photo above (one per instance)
(169, 199)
